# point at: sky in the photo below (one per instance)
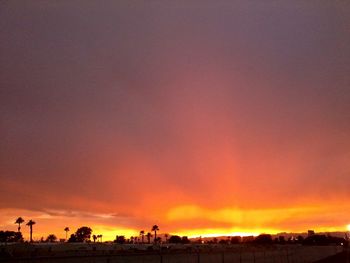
(203, 117)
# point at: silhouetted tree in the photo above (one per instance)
(149, 235)
(166, 237)
(66, 229)
(19, 221)
(51, 238)
(94, 238)
(119, 239)
(83, 234)
(175, 239)
(185, 240)
(73, 238)
(263, 239)
(323, 240)
(10, 236)
(142, 234)
(155, 228)
(30, 224)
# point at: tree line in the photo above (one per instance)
(84, 234)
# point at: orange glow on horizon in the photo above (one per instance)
(189, 220)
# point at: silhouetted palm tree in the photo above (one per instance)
(19, 221)
(94, 238)
(30, 224)
(67, 230)
(142, 234)
(149, 235)
(166, 237)
(155, 228)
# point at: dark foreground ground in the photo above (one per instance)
(171, 253)
(342, 257)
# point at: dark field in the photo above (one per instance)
(112, 253)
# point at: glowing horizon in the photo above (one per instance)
(110, 234)
(45, 221)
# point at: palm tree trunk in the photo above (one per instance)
(155, 236)
(31, 233)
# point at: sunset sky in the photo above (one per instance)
(203, 117)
